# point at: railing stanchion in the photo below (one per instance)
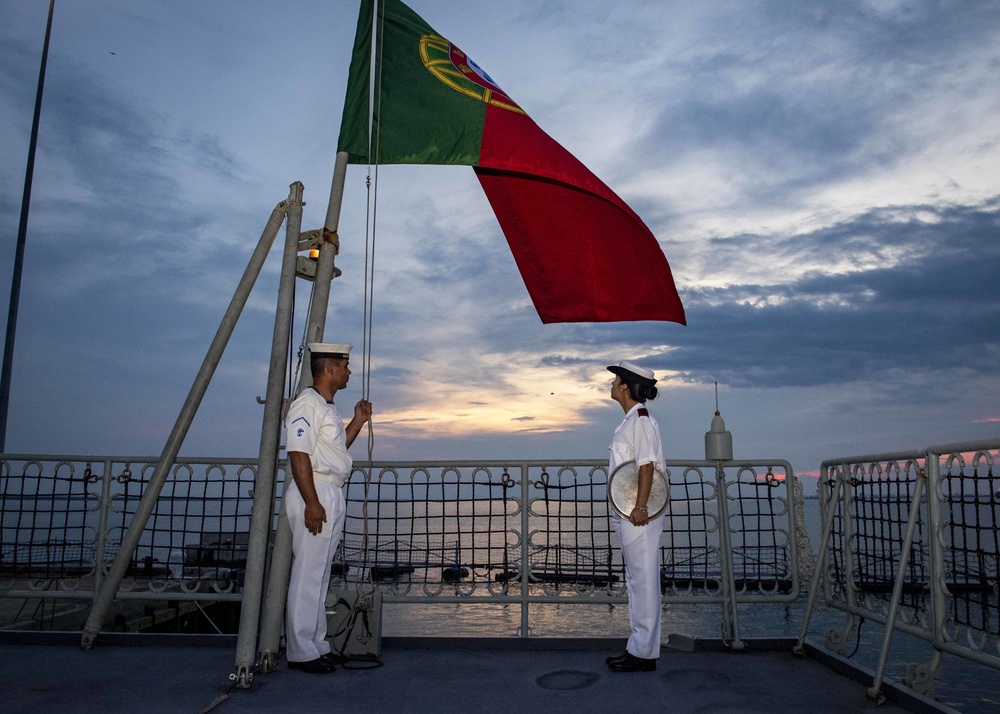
(730, 613)
(102, 529)
(525, 537)
(875, 691)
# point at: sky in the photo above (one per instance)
(823, 177)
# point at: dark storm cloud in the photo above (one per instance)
(934, 310)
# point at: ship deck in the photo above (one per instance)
(48, 672)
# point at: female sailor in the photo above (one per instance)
(637, 439)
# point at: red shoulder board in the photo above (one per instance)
(643, 412)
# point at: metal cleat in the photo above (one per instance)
(243, 676)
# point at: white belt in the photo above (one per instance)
(327, 478)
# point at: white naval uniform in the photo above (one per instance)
(314, 427)
(638, 438)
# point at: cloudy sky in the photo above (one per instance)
(824, 178)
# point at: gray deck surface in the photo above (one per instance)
(427, 675)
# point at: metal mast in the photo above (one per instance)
(22, 233)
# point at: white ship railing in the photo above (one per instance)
(459, 531)
(910, 539)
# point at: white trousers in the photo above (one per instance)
(305, 610)
(641, 550)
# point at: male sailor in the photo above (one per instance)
(317, 443)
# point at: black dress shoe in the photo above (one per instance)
(313, 666)
(334, 658)
(631, 663)
(615, 658)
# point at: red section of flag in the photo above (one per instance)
(514, 142)
(584, 255)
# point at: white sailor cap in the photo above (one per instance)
(323, 349)
(629, 370)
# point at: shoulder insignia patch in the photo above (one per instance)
(643, 412)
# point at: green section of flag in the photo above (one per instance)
(354, 122)
(417, 118)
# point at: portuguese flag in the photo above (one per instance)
(584, 255)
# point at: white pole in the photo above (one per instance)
(281, 555)
(270, 433)
(325, 265)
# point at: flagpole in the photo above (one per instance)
(327, 253)
(267, 462)
(22, 234)
(273, 609)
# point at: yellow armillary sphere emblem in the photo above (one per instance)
(458, 71)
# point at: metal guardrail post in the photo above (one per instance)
(828, 508)
(922, 677)
(837, 640)
(730, 613)
(263, 492)
(793, 489)
(875, 691)
(939, 585)
(102, 604)
(525, 537)
(102, 528)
